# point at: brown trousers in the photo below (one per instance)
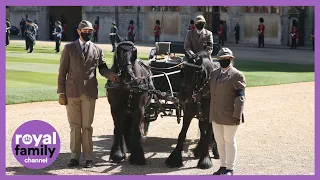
(80, 115)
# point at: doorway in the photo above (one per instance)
(67, 15)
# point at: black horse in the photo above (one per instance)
(128, 100)
(195, 95)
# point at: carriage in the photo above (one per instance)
(165, 61)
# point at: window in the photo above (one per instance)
(263, 9)
(200, 8)
(224, 9)
(165, 8)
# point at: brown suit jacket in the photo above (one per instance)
(226, 106)
(77, 72)
(197, 43)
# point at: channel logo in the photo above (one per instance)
(36, 144)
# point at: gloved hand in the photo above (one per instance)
(63, 99)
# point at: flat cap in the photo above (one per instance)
(225, 52)
(84, 24)
(200, 18)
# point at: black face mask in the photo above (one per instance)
(200, 26)
(86, 36)
(224, 63)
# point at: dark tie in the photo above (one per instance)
(84, 48)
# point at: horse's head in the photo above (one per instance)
(194, 73)
(125, 57)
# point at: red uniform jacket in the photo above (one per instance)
(221, 31)
(294, 32)
(130, 30)
(157, 30)
(261, 29)
(96, 28)
(191, 27)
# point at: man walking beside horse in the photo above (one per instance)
(77, 86)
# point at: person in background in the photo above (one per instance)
(64, 30)
(58, 35)
(30, 35)
(22, 26)
(227, 88)
(131, 31)
(35, 24)
(221, 33)
(237, 32)
(260, 30)
(191, 25)
(157, 30)
(8, 26)
(294, 37)
(113, 36)
(95, 31)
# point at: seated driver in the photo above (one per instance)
(199, 39)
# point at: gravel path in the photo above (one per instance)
(276, 139)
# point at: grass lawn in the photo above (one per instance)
(33, 77)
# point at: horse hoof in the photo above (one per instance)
(196, 152)
(174, 160)
(205, 163)
(117, 157)
(137, 161)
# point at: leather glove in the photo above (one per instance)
(63, 99)
(114, 77)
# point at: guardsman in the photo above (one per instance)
(199, 39)
(237, 32)
(8, 26)
(260, 30)
(113, 35)
(191, 25)
(131, 31)
(221, 33)
(95, 31)
(294, 37)
(157, 30)
(58, 35)
(30, 35)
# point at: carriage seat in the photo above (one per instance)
(162, 48)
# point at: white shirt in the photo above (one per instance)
(86, 45)
(200, 31)
(225, 70)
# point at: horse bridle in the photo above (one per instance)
(198, 88)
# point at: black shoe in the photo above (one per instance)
(88, 164)
(30, 51)
(227, 172)
(221, 170)
(73, 163)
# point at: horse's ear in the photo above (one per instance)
(134, 53)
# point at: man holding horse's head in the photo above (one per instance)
(199, 39)
(79, 90)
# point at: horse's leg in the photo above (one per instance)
(175, 158)
(116, 154)
(206, 133)
(137, 154)
(127, 131)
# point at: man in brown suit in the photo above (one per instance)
(199, 39)
(227, 87)
(79, 90)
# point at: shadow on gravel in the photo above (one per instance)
(102, 147)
